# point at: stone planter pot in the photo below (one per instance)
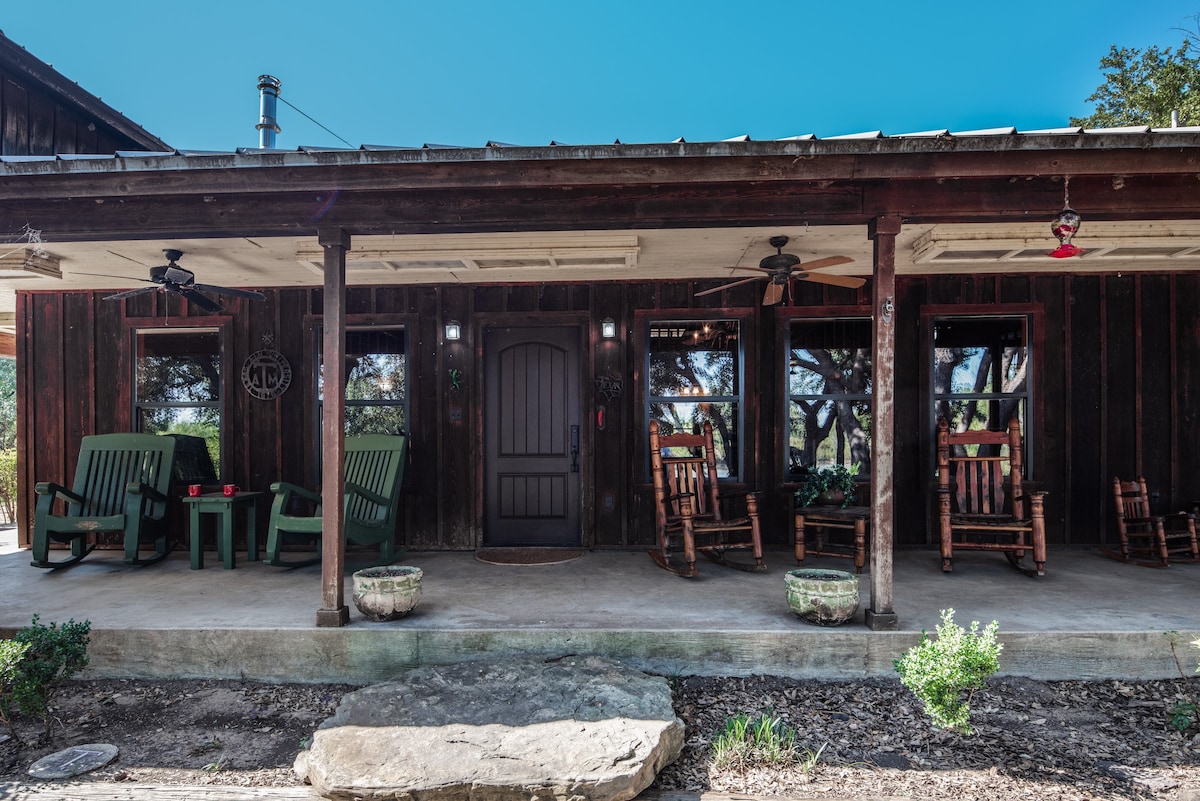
(822, 597)
(387, 593)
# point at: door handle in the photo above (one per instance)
(575, 449)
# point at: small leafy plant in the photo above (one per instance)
(945, 673)
(1186, 711)
(821, 480)
(762, 740)
(42, 659)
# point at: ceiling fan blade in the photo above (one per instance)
(828, 261)
(773, 294)
(848, 281)
(208, 304)
(723, 287)
(129, 293)
(224, 290)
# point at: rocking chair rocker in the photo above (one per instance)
(690, 511)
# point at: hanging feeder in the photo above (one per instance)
(1064, 226)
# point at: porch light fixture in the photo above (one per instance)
(608, 328)
(453, 331)
(1065, 225)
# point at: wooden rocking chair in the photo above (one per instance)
(121, 484)
(1148, 539)
(981, 502)
(690, 511)
(374, 473)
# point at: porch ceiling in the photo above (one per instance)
(969, 203)
(700, 254)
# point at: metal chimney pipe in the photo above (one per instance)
(268, 94)
(1175, 118)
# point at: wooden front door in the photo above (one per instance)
(532, 433)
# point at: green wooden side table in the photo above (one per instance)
(216, 503)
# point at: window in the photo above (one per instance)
(694, 374)
(177, 385)
(829, 395)
(981, 369)
(376, 381)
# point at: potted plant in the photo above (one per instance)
(835, 485)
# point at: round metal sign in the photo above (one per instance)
(266, 374)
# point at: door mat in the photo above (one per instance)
(527, 556)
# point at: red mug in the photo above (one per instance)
(230, 490)
(194, 490)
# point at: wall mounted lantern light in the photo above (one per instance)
(453, 331)
(608, 328)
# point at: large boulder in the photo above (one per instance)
(577, 728)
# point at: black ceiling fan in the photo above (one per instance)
(782, 268)
(171, 277)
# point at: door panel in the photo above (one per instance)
(531, 431)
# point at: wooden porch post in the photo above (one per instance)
(333, 611)
(883, 230)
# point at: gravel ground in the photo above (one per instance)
(1044, 740)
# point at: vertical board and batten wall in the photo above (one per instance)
(1117, 372)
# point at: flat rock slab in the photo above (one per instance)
(73, 761)
(578, 728)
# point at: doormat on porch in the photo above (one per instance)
(527, 556)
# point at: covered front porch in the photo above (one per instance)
(1089, 617)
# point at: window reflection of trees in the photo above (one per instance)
(376, 374)
(693, 376)
(829, 388)
(980, 373)
(178, 385)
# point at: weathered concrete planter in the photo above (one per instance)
(387, 593)
(823, 597)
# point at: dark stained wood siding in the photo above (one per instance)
(1118, 361)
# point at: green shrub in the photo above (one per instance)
(11, 654)
(1185, 712)
(944, 673)
(8, 485)
(52, 655)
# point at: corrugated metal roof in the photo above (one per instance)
(990, 139)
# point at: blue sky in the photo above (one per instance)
(462, 73)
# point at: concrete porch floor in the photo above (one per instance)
(1089, 617)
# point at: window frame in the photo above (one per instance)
(156, 327)
(743, 420)
(318, 355)
(1032, 422)
(815, 315)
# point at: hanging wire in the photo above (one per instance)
(1066, 191)
(310, 119)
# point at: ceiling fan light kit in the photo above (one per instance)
(782, 268)
(170, 277)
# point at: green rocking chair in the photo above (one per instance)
(121, 484)
(374, 473)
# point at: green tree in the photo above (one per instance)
(8, 403)
(1143, 88)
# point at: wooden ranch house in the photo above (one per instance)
(583, 291)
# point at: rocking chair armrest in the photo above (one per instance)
(757, 495)
(373, 497)
(287, 488)
(142, 488)
(52, 489)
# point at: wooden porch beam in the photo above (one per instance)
(486, 209)
(880, 615)
(333, 611)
